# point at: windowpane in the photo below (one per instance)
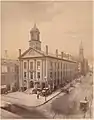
(55, 75)
(50, 74)
(25, 65)
(50, 65)
(4, 68)
(31, 65)
(31, 75)
(38, 65)
(24, 74)
(58, 65)
(38, 75)
(55, 65)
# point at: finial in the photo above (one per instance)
(34, 25)
(81, 45)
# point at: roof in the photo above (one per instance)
(9, 61)
(47, 55)
(34, 29)
(40, 52)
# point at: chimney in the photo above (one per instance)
(56, 52)
(47, 49)
(61, 54)
(19, 52)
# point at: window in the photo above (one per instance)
(55, 65)
(12, 69)
(38, 65)
(3, 79)
(58, 65)
(25, 65)
(31, 75)
(58, 74)
(4, 68)
(50, 74)
(51, 65)
(55, 75)
(38, 75)
(24, 74)
(31, 65)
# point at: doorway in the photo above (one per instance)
(31, 84)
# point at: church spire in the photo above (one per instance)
(81, 45)
(81, 52)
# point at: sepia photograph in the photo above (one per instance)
(46, 60)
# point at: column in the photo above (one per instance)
(20, 80)
(56, 72)
(21, 74)
(42, 71)
(44, 68)
(35, 70)
(28, 75)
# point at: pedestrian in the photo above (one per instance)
(86, 99)
(38, 95)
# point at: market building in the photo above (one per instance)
(37, 66)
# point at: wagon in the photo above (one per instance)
(84, 105)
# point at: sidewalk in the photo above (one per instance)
(22, 98)
(29, 100)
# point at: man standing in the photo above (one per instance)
(38, 93)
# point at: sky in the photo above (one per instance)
(62, 25)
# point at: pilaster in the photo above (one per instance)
(28, 74)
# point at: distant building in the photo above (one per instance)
(37, 66)
(83, 62)
(9, 73)
(86, 66)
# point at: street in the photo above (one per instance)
(23, 113)
(67, 105)
(63, 106)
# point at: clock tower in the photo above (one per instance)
(35, 38)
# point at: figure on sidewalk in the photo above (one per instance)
(38, 94)
(85, 99)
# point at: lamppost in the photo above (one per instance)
(45, 78)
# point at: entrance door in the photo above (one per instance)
(31, 84)
(43, 85)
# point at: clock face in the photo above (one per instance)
(35, 36)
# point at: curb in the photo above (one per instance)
(24, 106)
(48, 100)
